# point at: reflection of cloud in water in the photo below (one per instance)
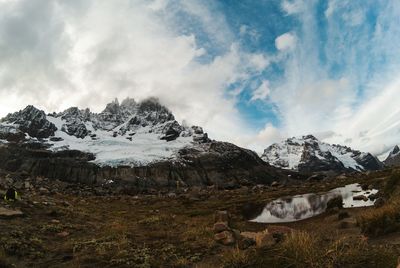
(301, 207)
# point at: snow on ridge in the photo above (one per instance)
(145, 147)
(289, 153)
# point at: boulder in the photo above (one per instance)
(225, 238)
(56, 139)
(360, 197)
(10, 213)
(275, 184)
(260, 239)
(220, 227)
(336, 202)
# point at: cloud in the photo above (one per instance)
(342, 76)
(262, 92)
(292, 7)
(286, 41)
(265, 137)
(56, 54)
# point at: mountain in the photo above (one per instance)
(393, 158)
(308, 154)
(129, 133)
(139, 143)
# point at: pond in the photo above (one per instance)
(305, 206)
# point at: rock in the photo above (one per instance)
(265, 239)
(275, 184)
(370, 187)
(171, 195)
(245, 242)
(379, 202)
(316, 177)
(63, 234)
(343, 215)
(10, 213)
(32, 121)
(44, 190)
(56, 139)
(364, 187)
(27, 185)
(336, 202)
(172, 130)
(221, 216)
(220, 227)
(372, 197)
(249, 235)
(225, 238)
(260, 239)
(360, 197)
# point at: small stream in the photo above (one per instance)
(305, 206)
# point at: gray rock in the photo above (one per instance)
(10, 213)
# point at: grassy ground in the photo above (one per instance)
(62, 230)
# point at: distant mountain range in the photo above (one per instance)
(393, 158)
(137, 141)
(308, 154)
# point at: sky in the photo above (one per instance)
(249, 72)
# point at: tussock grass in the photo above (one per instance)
(305, 250)
(386, 219)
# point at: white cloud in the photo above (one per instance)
(57, 54)
(286, 41)
(262, 92)
(343, 89)
(265, 137)
(293, 6)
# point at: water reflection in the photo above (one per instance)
(301, 207)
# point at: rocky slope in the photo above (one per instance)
(140, 144)
(308, 154)
(393, 158)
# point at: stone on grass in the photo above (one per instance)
(10, 213)
(221, 216)
(220, 227)
(226, 238)
(360, 197)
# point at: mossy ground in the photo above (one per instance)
(62, 230)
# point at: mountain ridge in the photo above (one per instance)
(308, 154)
(139, 145)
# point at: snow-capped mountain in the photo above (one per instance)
(129, 133)
(393, 158)
(308, 154)
(139, 144)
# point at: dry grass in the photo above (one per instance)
(386, 219)
(302, 249)
(382, 220)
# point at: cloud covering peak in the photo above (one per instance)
(250, 72)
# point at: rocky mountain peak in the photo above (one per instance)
(393, 158)
(395, 151)
(32, 121)
(308, 154)
(129, 103)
